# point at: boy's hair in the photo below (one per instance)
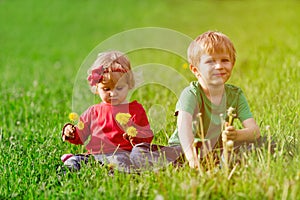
(208, 43)
(109, 67)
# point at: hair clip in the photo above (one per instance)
(96, 76)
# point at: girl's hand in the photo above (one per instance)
(68, 132)
(127, 137)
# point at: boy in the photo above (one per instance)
(212, 57)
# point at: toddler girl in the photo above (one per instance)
(113, 125)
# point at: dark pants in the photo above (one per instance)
(119, 160)
(151, 156)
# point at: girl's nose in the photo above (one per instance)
(112, 93)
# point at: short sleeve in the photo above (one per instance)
(243, 108)
(187, 101)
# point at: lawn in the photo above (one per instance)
(46, 47)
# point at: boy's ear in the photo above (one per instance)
(194, 70)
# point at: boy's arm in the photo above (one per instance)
(186, 138)
(249, 133)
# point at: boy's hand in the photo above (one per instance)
(68, 132)
(194, 163)
(229, 133)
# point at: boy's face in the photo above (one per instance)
(214, 69)
(113, 93)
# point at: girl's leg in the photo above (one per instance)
(145, 155)
(119, 160)
(74, 163)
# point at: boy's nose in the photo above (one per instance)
(218, 65)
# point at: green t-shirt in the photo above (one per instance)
(193, 100)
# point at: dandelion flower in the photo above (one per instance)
(73, 116)
(131, 131)
(80, 125)
(185, 66)
(111, 166)
(123, 118)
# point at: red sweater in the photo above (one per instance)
(106, 133)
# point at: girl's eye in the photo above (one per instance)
(106, 89)
(119, 88)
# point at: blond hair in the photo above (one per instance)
(115, 65)
(208, 43)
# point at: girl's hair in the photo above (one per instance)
(208, 43)
(109, 67)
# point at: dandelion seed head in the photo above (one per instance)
(230, 111)
(229, 144)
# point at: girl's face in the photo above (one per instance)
(114, 93)
(214, 69)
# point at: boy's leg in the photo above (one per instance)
(147, 155)
(261, 142)
(240, 147)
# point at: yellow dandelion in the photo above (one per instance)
(123, 118)
(131, 131)
(185, 66)
(111, 165)
(80, 125)
(73, 116)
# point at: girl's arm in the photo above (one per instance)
(249, 133)
(186, 138)
(74, 135)
(141, 123)
(70, 134)
(145, 134)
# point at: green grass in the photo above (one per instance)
(44, 43)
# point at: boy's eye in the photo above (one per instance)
(225, 60)
(209, 61)
(119, 88)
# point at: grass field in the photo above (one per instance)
(44, 44)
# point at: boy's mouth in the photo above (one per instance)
(219, 74)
